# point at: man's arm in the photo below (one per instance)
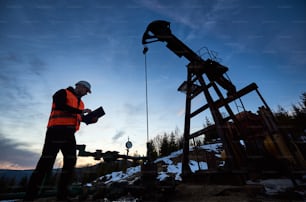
(59, 98)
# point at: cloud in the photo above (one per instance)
(118, 135)
(204, 14)
(37, 66)
(133, 109)
(14, 156)
(11, 57)
(18, 73)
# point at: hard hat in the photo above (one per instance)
(85, 84)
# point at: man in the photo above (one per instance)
(64, 121)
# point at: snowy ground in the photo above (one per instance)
(272, 186)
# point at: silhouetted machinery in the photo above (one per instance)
(107, 156)
(265, 151)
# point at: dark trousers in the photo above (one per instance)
(57, 138)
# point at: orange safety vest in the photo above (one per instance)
(64, 118)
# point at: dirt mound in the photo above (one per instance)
(225, 193)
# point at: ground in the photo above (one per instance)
(186, 192)
(224, 193)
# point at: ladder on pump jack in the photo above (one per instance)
(197, 84)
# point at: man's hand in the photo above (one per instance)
(86, 111)
(94, 120)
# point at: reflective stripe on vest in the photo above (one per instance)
(63, 118)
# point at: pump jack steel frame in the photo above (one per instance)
(201, 75)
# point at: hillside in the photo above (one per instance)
(169, 173)
(168, 185)
(17, 175)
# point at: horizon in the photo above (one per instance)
(46, 46)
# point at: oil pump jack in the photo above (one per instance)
(265, 147)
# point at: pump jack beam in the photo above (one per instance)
(160, 31)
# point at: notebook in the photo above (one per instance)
(90, 117)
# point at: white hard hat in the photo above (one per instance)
(85, 84)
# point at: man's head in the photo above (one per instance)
(82, 88)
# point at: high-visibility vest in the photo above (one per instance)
(64, 118)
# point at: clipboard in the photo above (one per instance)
(90, 117)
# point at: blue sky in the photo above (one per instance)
(49, 45)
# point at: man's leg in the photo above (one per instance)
(43, 167)
(68, 149)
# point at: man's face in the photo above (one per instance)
(81, 90)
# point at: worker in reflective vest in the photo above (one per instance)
(71, 116)
(64, 121)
